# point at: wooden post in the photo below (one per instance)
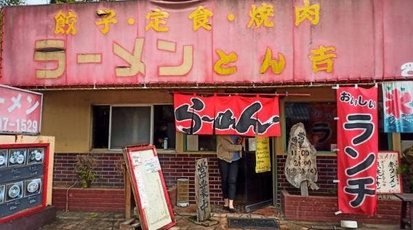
(304, 188)
(202, 190)
(128, 195)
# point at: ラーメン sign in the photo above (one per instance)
(20, 110)
(122, 43)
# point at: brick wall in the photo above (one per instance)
(108, 174)
(327, 172)
(174, 166)
(322, 208)
(91, 199)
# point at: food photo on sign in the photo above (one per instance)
(33, 186)
(35, 156)
(2, 189)
(17, 157)
(3, 158)
(14, 190)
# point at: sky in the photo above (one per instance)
(37, 2)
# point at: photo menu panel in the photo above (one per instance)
(21, 178)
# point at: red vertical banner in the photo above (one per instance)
(357, 136)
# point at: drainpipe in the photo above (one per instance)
(67, 196)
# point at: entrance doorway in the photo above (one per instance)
(254, 190)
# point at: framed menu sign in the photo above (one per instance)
(388, 180)
(148, 186)
(23, 179)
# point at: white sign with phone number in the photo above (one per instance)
(20, 110)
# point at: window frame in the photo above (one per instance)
(151, 128)
(284, 130)
(185, 143)
(151, 106)
(281, 142)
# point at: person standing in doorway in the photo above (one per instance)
(229, 152)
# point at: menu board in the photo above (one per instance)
(388, 180)
(23, 178)
(148, 185)
(262, 155)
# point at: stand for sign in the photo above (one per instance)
(304, 188)
(129, 202)
(130, 223)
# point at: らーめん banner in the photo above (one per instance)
(224, 115)
(357, 144)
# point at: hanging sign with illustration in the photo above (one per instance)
(398, 106)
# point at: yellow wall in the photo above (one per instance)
(67, 114)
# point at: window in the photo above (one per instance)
(116, 126)
(321, 128)
(407, 140)
(200, 143)
(318, 120)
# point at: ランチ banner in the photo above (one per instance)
(228, 115)
(358, 149)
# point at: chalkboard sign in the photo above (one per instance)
(148, 186)
(388, 180)
(23, 179)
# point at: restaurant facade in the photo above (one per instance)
(113, 73)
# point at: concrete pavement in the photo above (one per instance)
(71, 220)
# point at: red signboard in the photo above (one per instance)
(357, 131)
(20, 110)
(234, 114)
(212, 41)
